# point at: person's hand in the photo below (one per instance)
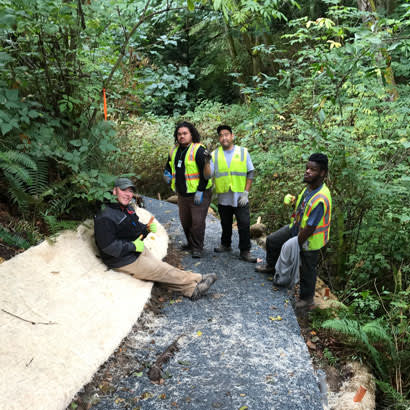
(289, 199)
(139, 245)
(167, 177)
(199, 195)
(151, 226)
(207, 155)
(243, 198)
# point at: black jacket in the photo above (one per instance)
(115, 228)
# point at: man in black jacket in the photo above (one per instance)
(119, 235)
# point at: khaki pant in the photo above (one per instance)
(148, 267)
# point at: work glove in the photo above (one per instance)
(152, 227)
(199, 195)
(243, 198)
(167, 177)
(139, 245)
(207, 155)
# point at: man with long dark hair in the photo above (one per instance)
(185, 172)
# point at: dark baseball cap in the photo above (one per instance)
(124, 183)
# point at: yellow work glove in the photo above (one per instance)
(139, 245)
(152, 227)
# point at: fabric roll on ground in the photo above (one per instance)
(62, 314)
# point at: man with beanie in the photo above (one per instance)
(119, 237)
(310, 222)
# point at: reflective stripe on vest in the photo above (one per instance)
(321, 235)
(234, 177)
(191, 169)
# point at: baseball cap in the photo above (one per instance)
(124, 183)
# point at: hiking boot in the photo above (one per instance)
(265, 269)
(203, 286)
(186, 247)
(304, 303)
(222, 248)
(196, 253)
(246, 256)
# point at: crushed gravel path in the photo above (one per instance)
(233, 352)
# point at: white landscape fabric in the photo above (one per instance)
(81, 313)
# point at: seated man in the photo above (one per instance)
(310, 223)
(119, 234)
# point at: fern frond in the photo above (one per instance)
(16, 191)
(56, 225)
(393, 399)
(16, 157)
(376, 331)
(58, 206)
(39, 178)
(13, 239)
(346, 326)
(18, 171)
(352, 329)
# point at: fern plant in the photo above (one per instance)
(13, 239)
(384, 342)
(17, 169)
(365, 337)
(17, 164)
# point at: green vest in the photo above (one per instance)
(234, 177)
(191, 169)
(320, 236)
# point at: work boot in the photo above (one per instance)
(222, 248)
(246, 256)
(186, 247)
(196, 253)
(304, 303)
(265, 269)
(203, 286)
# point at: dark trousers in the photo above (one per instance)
(193, 218)
(226, 213)
(309, 260)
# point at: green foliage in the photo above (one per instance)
(383, 342)
(13, 239)
(55, 225)
(17, 165)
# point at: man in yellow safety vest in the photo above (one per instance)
(232, 169)
(310, 222)
(185, 172)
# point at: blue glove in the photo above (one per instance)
(167, 177)
(198, 197)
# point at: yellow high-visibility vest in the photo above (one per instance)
(320, 236)
(233, 177)
(191, 169)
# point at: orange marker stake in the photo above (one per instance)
(105, 104)
(327, 292)
(359, 394)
